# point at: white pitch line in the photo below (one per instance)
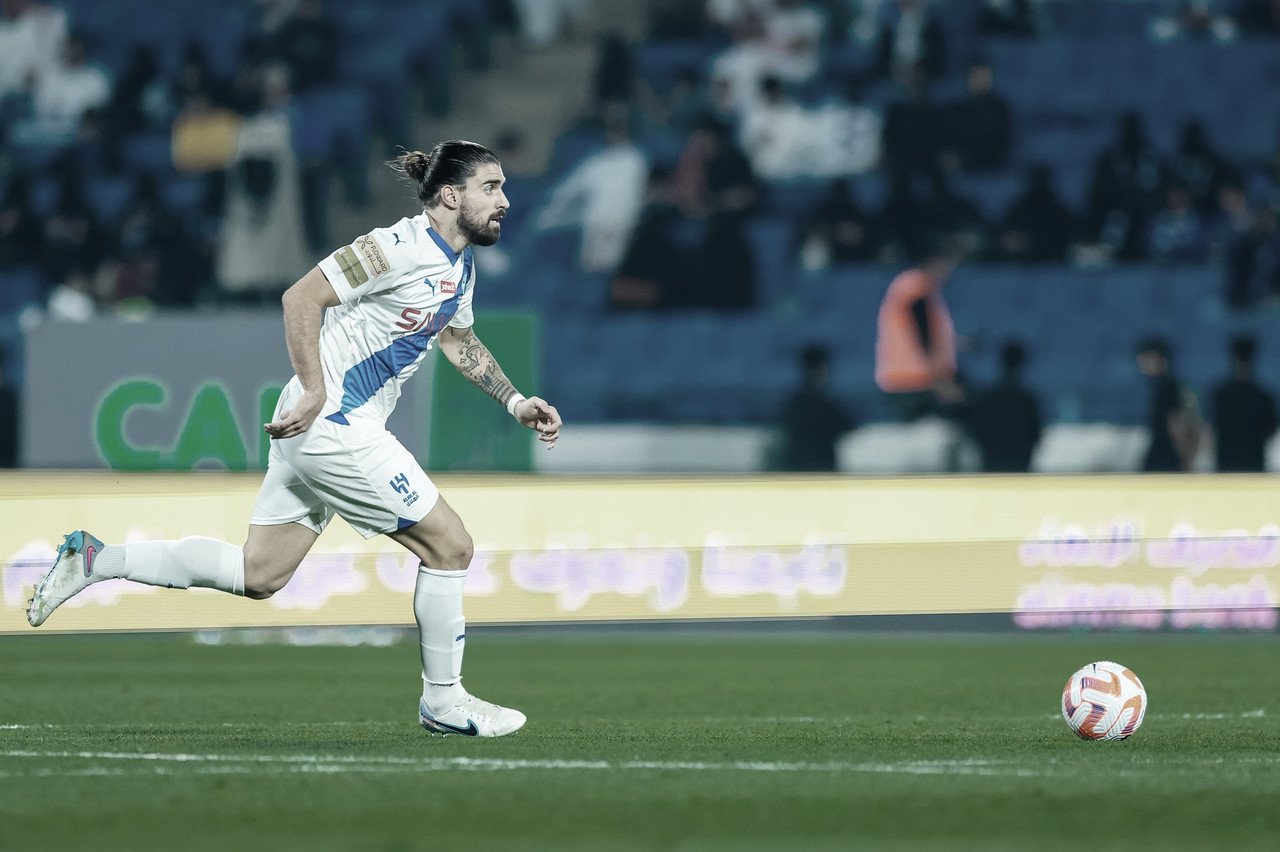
(381, 763)
(1248, 714)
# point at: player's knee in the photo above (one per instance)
(261, 579)
(261, 588)
(456, 552)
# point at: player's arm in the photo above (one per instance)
(304, 305)
(474, 361)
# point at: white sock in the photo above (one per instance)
(437, 603)
(193, 561)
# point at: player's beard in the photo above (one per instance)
(478, 230)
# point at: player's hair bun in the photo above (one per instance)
(414, 164)
(449, 163)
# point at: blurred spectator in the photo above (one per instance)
(603, 196)
(204, 135)
(713, 175)
(1005, 419)
(66, 89)
(1244, 414)
(912, 38)
(1038, 228)
(544, 21)
(72, 234)
(32, 35)
(1260, 17)
(21, 233)
(912, 126)
(71, 300)
(915, 338)
(1127, 180)
(652, 264)
(678, 19)
(307, 42)
(812, 422)
(1199, 167)
(772, 131)
(1193, 19)
(148, 257)
(836, 231)
(1178, 230)
(8, 419)
(1018, 18)
(263, 245)
(1253, 263)
(958, 215)
(615, 78)
(981, 123)
(779, 38)
(1174, 422)
(196, 78)
(902, 223)
(675, 261)
(1230, 221)
(140, 98)
(681, 108)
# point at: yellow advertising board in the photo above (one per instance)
(1144, 552)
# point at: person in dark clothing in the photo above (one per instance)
(21, 233)
(1005, 420)
(8, 420)
(1244, 414)
(910, 137)
(812, 422)
(838, 227)
(1173, 422)
(1038, 228)
(1197, 166)
(913, 37)
(1253, 262)
(614, 81)
(308, 42)
(981, 123)
(1127, 182)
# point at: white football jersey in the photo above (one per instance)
(400, 287)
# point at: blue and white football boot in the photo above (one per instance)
(471, 717)
(72, 573)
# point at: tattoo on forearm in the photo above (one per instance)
(477, 364)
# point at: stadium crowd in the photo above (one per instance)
(187, 158)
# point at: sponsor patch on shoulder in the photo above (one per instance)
(372, 252)
(347, 261)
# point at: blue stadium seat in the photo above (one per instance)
(148, 152)
(107, 196)
(20, 287)
(659, 63)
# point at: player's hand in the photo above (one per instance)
(542, 417)
(298, 419)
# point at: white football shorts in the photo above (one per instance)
(360, 471)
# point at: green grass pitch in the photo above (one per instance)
(660, 740)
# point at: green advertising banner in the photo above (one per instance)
(469, 431)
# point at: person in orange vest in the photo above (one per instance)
(915, 338)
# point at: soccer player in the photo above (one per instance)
(389, 295)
